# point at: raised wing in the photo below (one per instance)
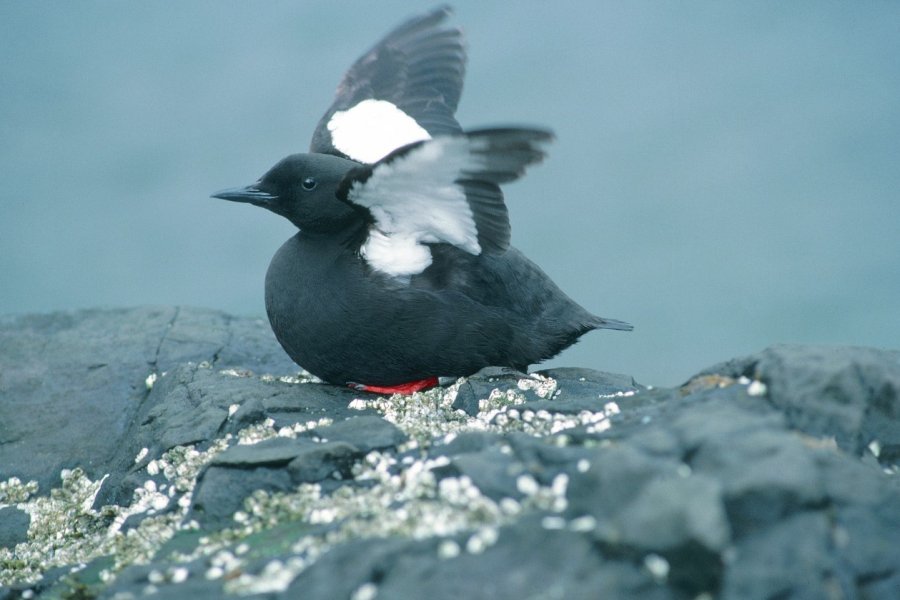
(405, 89)
(442, 190)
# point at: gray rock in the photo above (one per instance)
(365, 433)
(221, 492)
(143, 580)
(545, 461)
(851, 394)
(765, 474)
(606, 489)
(560, 565)
(865, 538)
(574, 382)
(883, 587)
(191, 404)
(66, 376)
(791, 560)
(179, 413)
(273, 465)
(348, 567)
(288, 404)
(272, 452)
(674, 512)
(319, 461)
(480, 385)
(470, 441)
(615, 478)
(493, 472)
(13, 526)
(526, 561)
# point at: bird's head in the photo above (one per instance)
(302, 188)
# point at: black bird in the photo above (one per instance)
(402, 269)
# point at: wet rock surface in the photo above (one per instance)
(177, 452)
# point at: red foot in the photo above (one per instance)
(404, 388)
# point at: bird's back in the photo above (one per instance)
(544, 320)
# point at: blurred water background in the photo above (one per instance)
(725, 174)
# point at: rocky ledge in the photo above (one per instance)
(177, 452)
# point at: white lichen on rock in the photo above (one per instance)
(429, 416)
(401, 496)
(141, 455)
(151, 379)
(411, 503)
(756, 388)
(13, 490)
(657, 566)
(66, 530)
(541, 385)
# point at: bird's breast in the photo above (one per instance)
(308, 282)
(320, 298)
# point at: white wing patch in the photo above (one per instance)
(414, 200)
(370, 130)
(397, 255)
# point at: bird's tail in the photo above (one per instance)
(602, 323)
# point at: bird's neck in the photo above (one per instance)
(350, 236)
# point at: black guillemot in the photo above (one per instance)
(402, 269)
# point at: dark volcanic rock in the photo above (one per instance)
(769, 476)
(492, 471)
(273, 452)
(273, 465)
(64, 377)
(526, 561)
(366, 433)
(221, 491)
(574, 385)
(13, 526)
(851, 394)
(588, 383)
(329, 459)
(191, 404)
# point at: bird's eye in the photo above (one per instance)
(309, 184)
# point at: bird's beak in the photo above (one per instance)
(250, 193)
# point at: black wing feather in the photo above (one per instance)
(418, 67)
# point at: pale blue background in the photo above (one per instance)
(725, 177)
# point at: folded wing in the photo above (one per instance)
(441, 190)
